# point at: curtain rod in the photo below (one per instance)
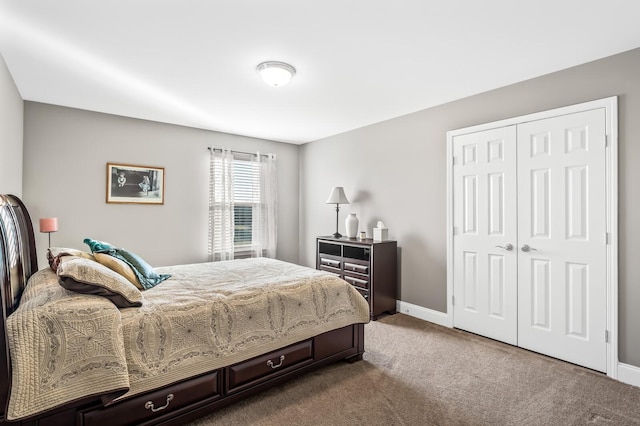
(240, 152)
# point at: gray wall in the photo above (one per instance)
(65, 156)
(11, 125)
(396, 171)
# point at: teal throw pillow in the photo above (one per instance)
(98, 246)
(147, 276)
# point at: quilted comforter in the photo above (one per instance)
(67, 346)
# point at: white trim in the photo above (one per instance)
(571, 109)
(611, 113)
(629, 374)
(450, 229)
(426, 314)
(612, 227)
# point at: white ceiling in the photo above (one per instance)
(192, 62)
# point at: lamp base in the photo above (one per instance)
(337, 234)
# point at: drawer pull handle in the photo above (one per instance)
(270, 363)
(149, 404)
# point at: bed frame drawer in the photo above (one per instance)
(260, 368)
(145, 407)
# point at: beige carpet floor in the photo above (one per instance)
(418, 373)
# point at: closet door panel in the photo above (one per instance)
(561, 237)
(485, 274)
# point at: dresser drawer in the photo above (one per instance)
(331, 263)
(362, 282)
(145, 407)
(334, 271)
(363, 292)
(262, 367)
(355, 267)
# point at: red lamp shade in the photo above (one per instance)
(49, 224)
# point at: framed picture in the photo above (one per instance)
(135, 184)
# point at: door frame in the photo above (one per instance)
(610, 106)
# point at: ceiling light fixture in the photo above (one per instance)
(275, 73)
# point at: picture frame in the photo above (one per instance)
(133, 184)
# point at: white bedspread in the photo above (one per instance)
(65, 346)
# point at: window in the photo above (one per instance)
(242, 205)
(246, 198)
(241, 227)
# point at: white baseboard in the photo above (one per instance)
(426, 314)
(629, 374)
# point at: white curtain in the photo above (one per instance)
(221, 205)
(264, 213)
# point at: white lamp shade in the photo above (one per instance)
(276, 73)
(337, 196)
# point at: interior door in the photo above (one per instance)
(485, 223)
(562, 237)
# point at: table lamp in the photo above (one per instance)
(337, 197)
(49, 225)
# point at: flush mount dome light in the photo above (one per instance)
(275, 73)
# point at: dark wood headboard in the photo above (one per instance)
(18, 261)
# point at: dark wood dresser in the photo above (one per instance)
(371, 267)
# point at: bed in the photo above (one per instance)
(210, 335)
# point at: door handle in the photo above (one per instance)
(507, 247)
(525, 248)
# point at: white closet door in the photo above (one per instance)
(562, 219)
(485, 275)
